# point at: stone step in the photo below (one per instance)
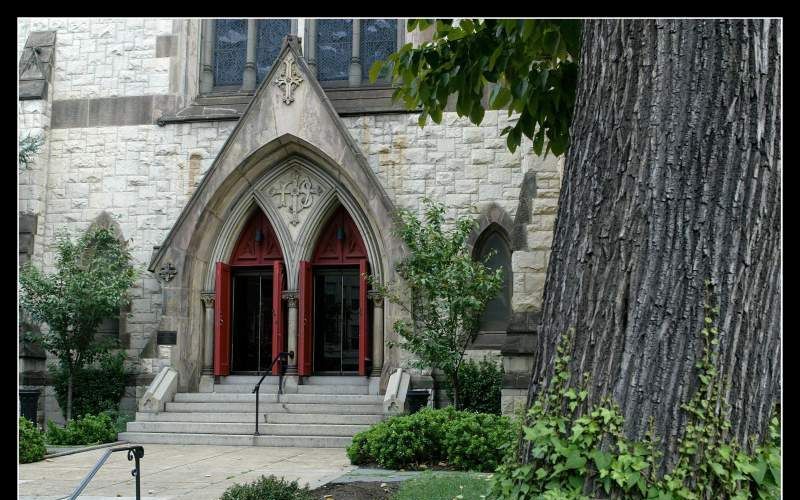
(249, 428)
(334, 389)
(250, 380)
(302, 389)
(245, 388)
(236, 440)
(336, 380)
(276, 418)
(339, 409)
(217, 397)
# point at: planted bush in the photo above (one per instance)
(31, 442)
(465, 440)
(477, 441)
(267, 488)
(95, 389)
(90, 429)
(480, 385)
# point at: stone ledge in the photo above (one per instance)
(516, 380)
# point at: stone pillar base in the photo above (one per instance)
(290, 383)
(206, 383)
(375, 385)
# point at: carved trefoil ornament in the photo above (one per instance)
(167, 272)
(289, 79)
(295, 194)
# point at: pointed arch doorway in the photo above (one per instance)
(334, 317)
(249, 320)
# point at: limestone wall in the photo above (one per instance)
(143, 175)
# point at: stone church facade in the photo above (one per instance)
(254, 170)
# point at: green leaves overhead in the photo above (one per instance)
(528, 65)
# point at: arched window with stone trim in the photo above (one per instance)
(112, 328)
(493, 248)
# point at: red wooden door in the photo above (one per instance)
(362, 317)
(222, 322)
(277, 312)
(306, 306)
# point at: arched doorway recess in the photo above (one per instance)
(334, 333)
(251, 327)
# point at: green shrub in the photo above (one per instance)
(480, 384)
(478, 441)
(465, 440)
(31, 442)
(95, 389)
(88, 430)
(267, 488)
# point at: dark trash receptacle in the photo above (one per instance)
(29, 400)
(417, 399)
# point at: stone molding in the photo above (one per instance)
(291, 297)
(208, 299)
(36, 65)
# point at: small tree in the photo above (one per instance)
(447, 291)
(90, 284)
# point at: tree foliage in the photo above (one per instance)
(28, 147)
(90, 284)
(446, 290)
(529, 65)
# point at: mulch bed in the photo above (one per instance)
(361, 490)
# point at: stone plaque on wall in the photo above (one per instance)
(167, 338)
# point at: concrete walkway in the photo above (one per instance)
(193, 472)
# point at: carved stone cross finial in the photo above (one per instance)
(289, 80)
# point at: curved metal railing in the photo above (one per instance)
(281, 358)
(134, 453)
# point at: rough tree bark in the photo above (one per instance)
(673, 176)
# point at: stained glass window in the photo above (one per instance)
(334, 48)
(378, 40)
(230, 50)
(270, 34)
(498, 310)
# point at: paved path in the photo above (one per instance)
(195, 472)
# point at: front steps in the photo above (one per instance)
(325, 412)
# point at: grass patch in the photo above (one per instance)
(444, 486)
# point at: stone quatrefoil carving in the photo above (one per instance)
(289, 80)
(295, 195)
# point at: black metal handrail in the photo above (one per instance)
(134, 452)
(281, 360)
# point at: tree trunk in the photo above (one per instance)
(673, 176)
(69, 396)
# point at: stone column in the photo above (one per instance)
(311, 45)
(207, 374)
(355, 59)
(207, 73)
(377, 332)
(249, 78)
(290, 296)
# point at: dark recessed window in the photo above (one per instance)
(498, 310)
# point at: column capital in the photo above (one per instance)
(375, 297)
(290, 296)
(207, 298)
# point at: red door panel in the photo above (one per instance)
(277, 312)
(362, 317)
(305, 333)
(222, 323)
